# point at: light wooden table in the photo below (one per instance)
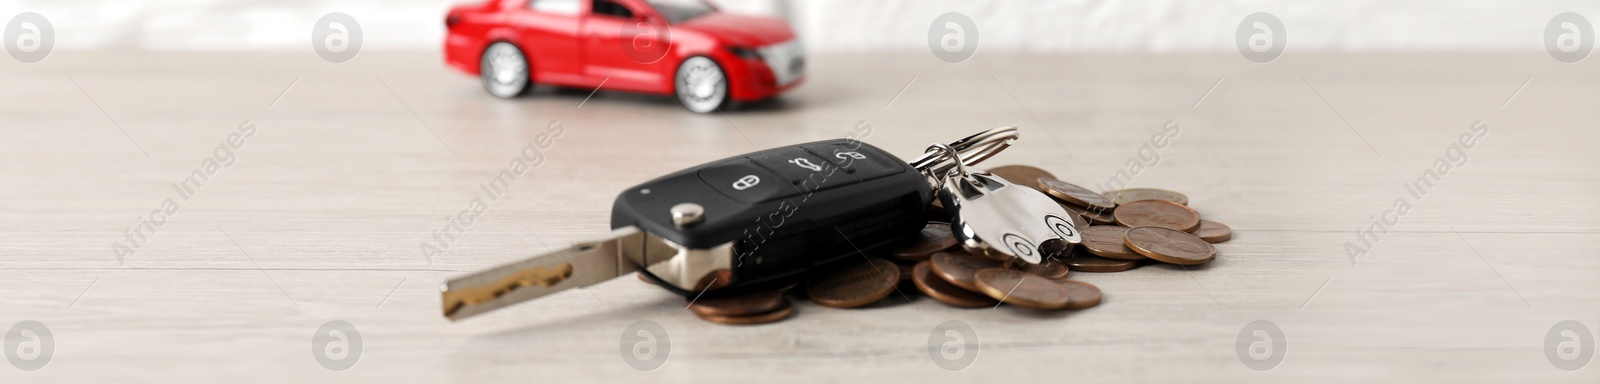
(351, 166)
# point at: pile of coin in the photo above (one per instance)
(1121, 230)
(750, 308)
(1127, 226)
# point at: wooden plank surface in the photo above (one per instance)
(320, 215)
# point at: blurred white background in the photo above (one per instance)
(853, 25)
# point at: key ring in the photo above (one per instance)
(957, 168)
(977, 148)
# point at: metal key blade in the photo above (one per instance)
(583, 264)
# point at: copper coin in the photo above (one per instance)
(1074, 194)
(1022, 175)
(1124, 196)
(1084, 262)
(1170, 245)
(905, 271)
(1157, 213)
(715, 280)
(939, 289)
(1080, 294)
(1056, 249)
(958, 268)
(785, 309)
(1022, 289)
(1078, 220)
(1109, 241)
(1048, 268)
(1095, 217)
(1213, 232)
(741, 305)
(855, 285)
(987, 253)
(934, 237)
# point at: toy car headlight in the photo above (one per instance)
(743, 52)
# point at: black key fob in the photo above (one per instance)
(756, 221)
(766, 218)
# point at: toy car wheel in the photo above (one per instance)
(504, 70)
(701, 85)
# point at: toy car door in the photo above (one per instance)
(549, 34)
(625, 43)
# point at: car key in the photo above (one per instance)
(991, 215)
(757, 220)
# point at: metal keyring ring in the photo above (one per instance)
(958, 169)
(949, 152)
(975, 148)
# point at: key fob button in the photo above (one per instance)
(868, 163)
(804, 170)
(745, 182)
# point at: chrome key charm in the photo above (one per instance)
(992, 215)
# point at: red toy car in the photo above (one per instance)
(689, 48)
